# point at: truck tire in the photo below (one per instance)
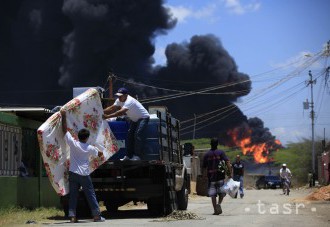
(182, 195)
(112, 207)
(159, 207)
(155, 206)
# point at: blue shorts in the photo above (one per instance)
(214, 188)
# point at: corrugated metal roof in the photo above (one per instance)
(34, 113)
(17, 109)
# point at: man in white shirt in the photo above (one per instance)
(285, 175)
(139, 116)
(79, 171)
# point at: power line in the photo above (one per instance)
(293, 74)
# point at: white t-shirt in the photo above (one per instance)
(79, 155)
(285, 173)
(135, 110)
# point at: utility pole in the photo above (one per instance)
(323, 141)
(110, 86)
(312, 115)
(194, 126)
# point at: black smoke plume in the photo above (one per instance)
(49, 46)
(199, 64)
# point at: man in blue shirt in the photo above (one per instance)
(215, 177)
(238, 174)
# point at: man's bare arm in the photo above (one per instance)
(111, 109)
(118, 113)
(99, 153)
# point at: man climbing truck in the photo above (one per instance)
(159, 179)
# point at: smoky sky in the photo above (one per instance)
(200, 63)
(47, 47)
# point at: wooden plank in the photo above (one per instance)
(161, 116)
(165, 142)
(174, 122)
(163, 130)
(175, 134)
(174, 144)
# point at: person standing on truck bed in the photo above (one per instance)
(79, 171)
(216, 178)
(139, 118)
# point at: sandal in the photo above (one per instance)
(218, 209)
(99, 219)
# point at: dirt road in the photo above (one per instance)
(257, 208)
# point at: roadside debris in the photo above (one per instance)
(180, 215)
(321, 194)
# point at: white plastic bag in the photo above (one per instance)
(230, 187)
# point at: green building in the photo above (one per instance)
(23, 181)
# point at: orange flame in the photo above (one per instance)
(259, 151)
(278, 142)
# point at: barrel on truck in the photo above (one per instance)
(159, 179)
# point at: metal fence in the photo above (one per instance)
(10, 150)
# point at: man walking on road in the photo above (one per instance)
(238, 174)
(215, 177)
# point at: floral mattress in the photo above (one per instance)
(84, 111)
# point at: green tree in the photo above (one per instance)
(298, 157)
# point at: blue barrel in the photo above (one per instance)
(151, 147)
(119, 129)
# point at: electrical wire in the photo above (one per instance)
(282, 81)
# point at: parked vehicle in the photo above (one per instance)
(269, 181)
(159, 179)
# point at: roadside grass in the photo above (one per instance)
(18, 216)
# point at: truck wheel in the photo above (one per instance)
(182, 196)
(112, 207)
(155, 206)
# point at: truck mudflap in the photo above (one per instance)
(182, 186)
(179, 177)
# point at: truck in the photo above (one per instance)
(160, 179)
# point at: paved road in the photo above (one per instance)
(257, 208)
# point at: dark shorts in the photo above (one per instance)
(214, 188)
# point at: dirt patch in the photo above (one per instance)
(321, 194)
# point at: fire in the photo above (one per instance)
(278, 142)
(259, 151)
